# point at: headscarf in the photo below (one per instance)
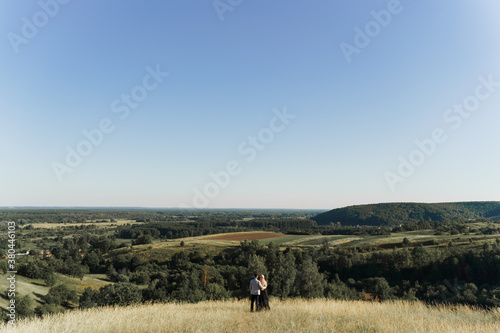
(263, 281)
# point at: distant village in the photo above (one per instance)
(41, 254)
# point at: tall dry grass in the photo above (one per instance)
(285, 316)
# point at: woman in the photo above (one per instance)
(263, 299)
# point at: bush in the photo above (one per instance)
(140, 277)
(340, 291)
(47, 309)
(215, 291)
(24, 307)
(50, 279)
(31, 270)
(60, 295)
(144, 239)
(119, 294)
(89, 298)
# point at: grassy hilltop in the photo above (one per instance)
(391, 214)
(287, 316)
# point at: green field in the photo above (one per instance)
(163, 250)
(415, 237)
(36, 288)
(24, 286)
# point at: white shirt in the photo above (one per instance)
(255, 287)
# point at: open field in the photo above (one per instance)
(163, 250)
(97, 224)
(419, 236)
(213, 244)
(241, 236)
(335, 240)
(95, 281)
(234, 239)
(285, 316)
(24, 286)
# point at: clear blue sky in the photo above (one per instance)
(66, 68)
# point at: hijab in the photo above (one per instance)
(263, 281)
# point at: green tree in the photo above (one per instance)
(380, 287)
(24, 307)
(215, 291)
(50, 278)
(46, 309)
(92, 261)
(159, 288)
(74, 269)
(339, 290)
(310, 282)
(89, 298)
(469, 293)
(325, 247)
(272, 253)
(60, 295)
(30, 269)
(144, 239)
(119, 294)
(189, 287)
(284, 276)
(140, 277)
(3, 266)
(421, 256)
(256, 264)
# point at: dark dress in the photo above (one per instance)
(264, 300)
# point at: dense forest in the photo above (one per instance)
(391, 214)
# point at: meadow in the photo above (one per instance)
(316, 315)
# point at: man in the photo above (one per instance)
(255, 287)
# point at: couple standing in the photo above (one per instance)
(258, 293)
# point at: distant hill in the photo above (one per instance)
(396, 213)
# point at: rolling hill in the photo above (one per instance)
(390, 214)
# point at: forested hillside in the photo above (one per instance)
(391, 214)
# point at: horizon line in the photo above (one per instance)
(226, 208)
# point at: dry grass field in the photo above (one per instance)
(285, 316)
(241, 236)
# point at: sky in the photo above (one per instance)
(248, 104)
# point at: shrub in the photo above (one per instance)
(24, 307)
(60, 295)
(119, 294)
